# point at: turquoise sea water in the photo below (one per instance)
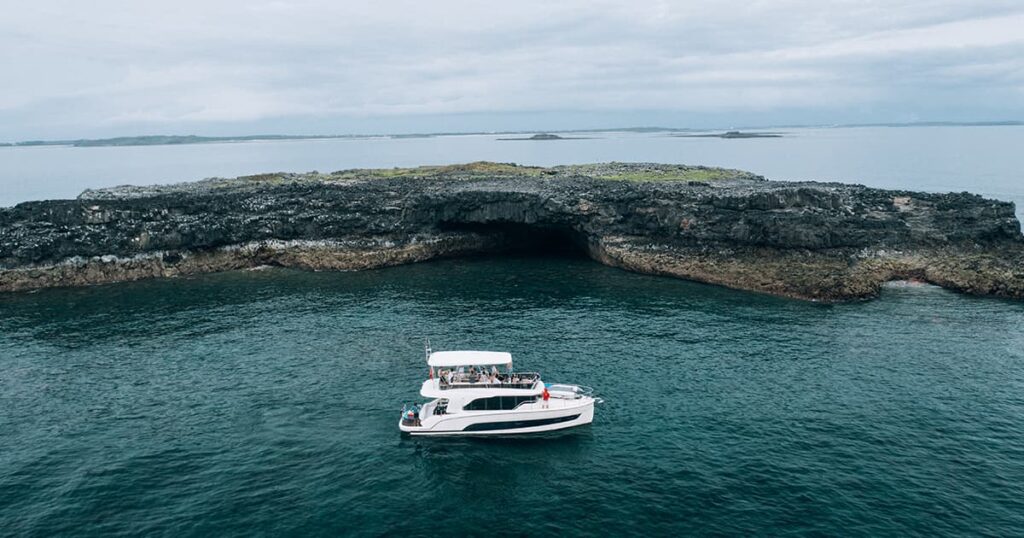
(266, 403)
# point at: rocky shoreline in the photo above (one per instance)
(818, 241)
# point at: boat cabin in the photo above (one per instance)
(477, 381)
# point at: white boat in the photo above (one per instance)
(478, 393)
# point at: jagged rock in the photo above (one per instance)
(820, 241)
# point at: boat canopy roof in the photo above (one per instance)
(468, 358)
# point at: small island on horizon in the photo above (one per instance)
(546, 136)
(732, 134)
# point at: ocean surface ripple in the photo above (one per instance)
(266, 403)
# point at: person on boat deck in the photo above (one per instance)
(449, 376)
(508, 367)
(495, 380)
(494, 370)
(546, 395)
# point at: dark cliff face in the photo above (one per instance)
(735, 223)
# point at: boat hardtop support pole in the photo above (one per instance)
(426, 351)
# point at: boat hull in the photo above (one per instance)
(559, 416)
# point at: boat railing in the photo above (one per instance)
(516, 380)
(569, 392)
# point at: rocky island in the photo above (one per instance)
(816, 241)
(731, 135)
(544, 136)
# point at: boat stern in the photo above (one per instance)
(409, 421)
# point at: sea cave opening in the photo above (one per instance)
(525, 239)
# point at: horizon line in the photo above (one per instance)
(87, 142)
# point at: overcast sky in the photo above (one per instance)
(107, 68)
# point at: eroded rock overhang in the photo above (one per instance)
(819, 241)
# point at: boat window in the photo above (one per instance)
(497, 403)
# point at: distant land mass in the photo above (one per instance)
(161, 140)
(939, 124)
(166, 140)
(1000, 123)
(412, 135)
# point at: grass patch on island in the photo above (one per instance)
(472, 170)
(482, 170)
(707, 174)
(655, 172)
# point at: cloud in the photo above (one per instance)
(76, 68)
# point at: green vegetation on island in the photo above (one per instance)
(484, 170)
(661, 172)
(490, 170)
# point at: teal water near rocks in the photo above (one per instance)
(266, 403)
